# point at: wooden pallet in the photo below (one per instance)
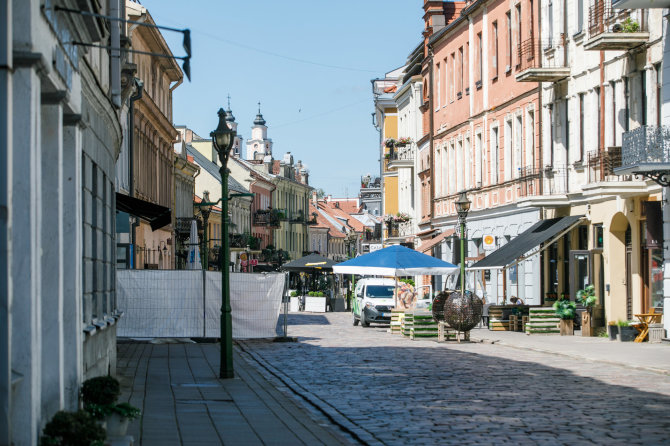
(542, 320)
(397, 317)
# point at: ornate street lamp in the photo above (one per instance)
(223, 138)
(205, 210)
(462, 208)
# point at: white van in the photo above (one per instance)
(373, 301)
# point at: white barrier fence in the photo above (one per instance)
(184, 304)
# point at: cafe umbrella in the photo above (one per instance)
(396, 261)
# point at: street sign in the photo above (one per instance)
(489, 242)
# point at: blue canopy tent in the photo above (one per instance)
(395, 261)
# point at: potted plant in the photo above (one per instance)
(627, 332)
(73, 429)
(390, 142)
(99, 396)
(587, 297)
(612, 330)
(565, 310)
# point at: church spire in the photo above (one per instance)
(259, 117)
(229, 113)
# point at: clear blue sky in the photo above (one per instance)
(309, 63)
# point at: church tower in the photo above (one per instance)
(237, 143)
(259, 146)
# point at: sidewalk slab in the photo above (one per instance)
(643, 356)
(184, 403)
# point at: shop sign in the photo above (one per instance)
(253, 262)
(489, 242)
(375, 247)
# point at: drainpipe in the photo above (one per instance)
(601, 124)
(431, 129)
(139, 88)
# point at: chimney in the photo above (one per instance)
(438, 14)
(314, 197)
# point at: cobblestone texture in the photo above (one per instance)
(390, 390)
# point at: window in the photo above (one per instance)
(580, 16)
(550, 112)
(530, 140)
(508, 15)
(581, 127)
(458, 171)
(494, 62)
(437, 86)
(454, 73)
(550, 20)
(460, 71)
(643, 96)
(468, 163)
(480, 60)
(596, 90)
(518, 30)
(508, 156)
(518, 146)
(479, 164)
(598, 236)
(494, 155)
(447, 91)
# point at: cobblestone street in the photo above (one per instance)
(386, 389)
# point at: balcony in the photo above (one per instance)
(541, 61)
(646, 151)
(611, 30)
(640, 4)
(269, 217)
(369, 182)
(401, 156)
(601, 165)
(298, 217)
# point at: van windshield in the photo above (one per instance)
(380, 291)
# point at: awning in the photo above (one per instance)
(428, 244)
(157, 215)
(540, 232)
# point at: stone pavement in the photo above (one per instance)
(387, 389)
(183, 402)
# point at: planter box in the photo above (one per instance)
(656, 333)
(294, 306)
(566, 327)
(586, 324)
(613, 332)
(627, 334)
(315, 304)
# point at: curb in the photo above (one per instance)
(573, 356)
(333, 415)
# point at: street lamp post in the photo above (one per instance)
(462, 208)
(222, 138)
(205, 210)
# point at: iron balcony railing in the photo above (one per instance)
(648, 144)
(603, 18)
(555, 180)
(368, 182)
(601, 165)
(533, 53)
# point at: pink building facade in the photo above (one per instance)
(486, 135)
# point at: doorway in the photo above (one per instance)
(580, 271)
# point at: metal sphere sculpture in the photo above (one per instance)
(438, 305)
(463, 313)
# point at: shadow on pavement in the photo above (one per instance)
(400, 394)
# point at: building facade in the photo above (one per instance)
(62, 133)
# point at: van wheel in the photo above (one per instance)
(355, 320)
(364, 323)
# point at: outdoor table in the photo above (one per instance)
(645, 319)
